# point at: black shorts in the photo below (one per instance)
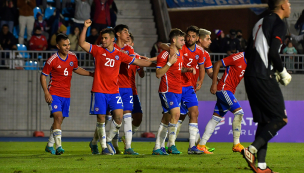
(266, 99)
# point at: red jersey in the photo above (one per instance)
(132, 74)
(234, 73)
(207, 65)
(38, 42)
(171, 81)
(191, 59)
(60, 72)
(107, 66)
(123, 77)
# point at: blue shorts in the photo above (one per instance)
(101, 103)
(127, 98)
(170, 100)
(225, 101)
(188, 100)
(136, 105)
(61, 104)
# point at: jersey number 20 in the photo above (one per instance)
(110, 62)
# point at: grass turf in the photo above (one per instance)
(31, 157)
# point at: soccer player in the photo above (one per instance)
(224, 90)
(136, 112)
(105, 91)
(60, 67)
(263, 91)
(169, 69)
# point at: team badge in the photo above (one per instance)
(196, 57)
(55, 106)
(235, 101)
(117, 57)
(71, 63)
(127, 52)
(96, 109)
(171, 103)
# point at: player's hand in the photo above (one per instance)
(285, 77)
(213, 89)
(144, 57)
(92, 74)
(192, 70)
(173, 59)
(87, 23)
(48, 97)
(198, 85)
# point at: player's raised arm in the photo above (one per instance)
(160, 71)
(216, 69)
(82, 43)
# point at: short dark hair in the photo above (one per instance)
(109, 31)
(273, 4)
(61, 36)
(131, 36)
(4, 25)
(193, 29)
(119, 28)
(175, 32)
(37, 28)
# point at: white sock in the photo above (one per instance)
(179, 125)
(57, 137)
(114, 128)
(108, 119)
(252, 149)
(172, 133)
(164, 140)
(262, 165)
(210, 129)
(134, 129)
(161, 135)
(101, 131)
(128, 129)
(193, 130)
(198, 138)
(236, 126)
(115, 140)
(51, 138)
(95, 137)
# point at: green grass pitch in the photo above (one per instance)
(31, 157)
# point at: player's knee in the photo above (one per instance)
(286, 120)
(182, 117)
(193, 114)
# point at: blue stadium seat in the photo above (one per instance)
(50, 1)
(49, 12)
(68, 30)
(31, 65)
(89, 31)
(16, 31)
(37, 10)
(22, 47)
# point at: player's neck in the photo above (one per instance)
(280, 14)
(110, 47)
(191, 47)
(62, 56)
(120, 43)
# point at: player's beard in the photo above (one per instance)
(189, 45)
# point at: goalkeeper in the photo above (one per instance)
(264, 71)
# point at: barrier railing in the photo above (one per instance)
(34, 60)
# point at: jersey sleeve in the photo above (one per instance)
(131, 51)
(231, 60)
(201, 59)
(162, 59)
(93, 50)
(208, 63)
(279, 32)
(76, 63)
(47, 68)
(126, 58)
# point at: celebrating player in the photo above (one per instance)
(169, 69)
(264, 94)
(224, 89)
(105, 91)
(60, 67)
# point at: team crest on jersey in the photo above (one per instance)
(96, 109)
(71, 64)
(117, 57)
(55, 106)
(235, 101)
(127, 52)
(196, 57)
(171, 103)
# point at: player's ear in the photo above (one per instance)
(174, 40)
(57, 45)
(118, 34)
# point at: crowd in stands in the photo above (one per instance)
(35, 23)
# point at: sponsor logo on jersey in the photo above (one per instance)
(186, 54)
(71, 63)
(96, 109)
(59, 66)
(104, 54)
(55, 106)
(196, 57)
(117, 57)
(240, 66)
(171, 103)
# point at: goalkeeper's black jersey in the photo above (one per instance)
(259, 64)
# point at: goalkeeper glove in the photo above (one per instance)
(283, 77)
